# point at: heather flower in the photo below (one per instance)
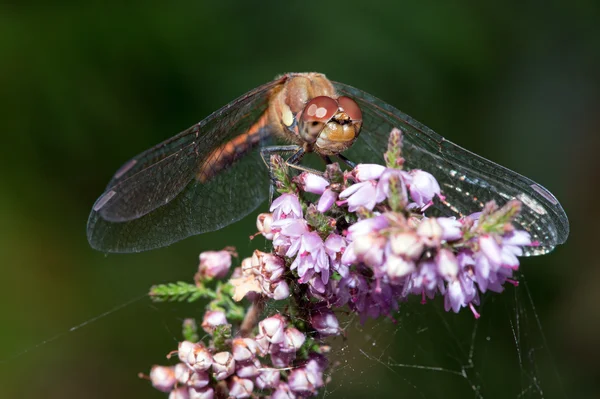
(327, 200)
(268, 378)
(280, 290)
(263, 225)
(214, 264)
(163, 378)
(212, 319)
(240, 387)
(325, 322)
(272, 328)
(359, 195)
(223, 365)
(451, 229)
(243, 349)
(307, 379)
(407, 244)
(368, 171)
(202, 393)
(383, 186)
(335, 245)
(179, 393)
(199, 358)
(312, 183)
(286, 206)
(283, 391)
(293, 340)
(365, 256)
(312, 258)
(423, 187)
(248, 369)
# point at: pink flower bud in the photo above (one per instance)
(312, 183)
(281, 359)
(447, 264)
(430, 231)
(214, 264)
(223, 365)
(202, 393)
(286, 206)
(283, 391)
(304, 381)
(199, 358)
(293, 340)
(491, 249)
(179, 393)
(268, 378)
(451, 229)
(240, 387)
(397, 267)
(368, 171)
(185, 348)
(163, 378)
(423, 187)
(199, 379)
(263, 224)
(212, 319)
(271, 266)
(281, 290)
(243, 349)
(248, 369)
(407, 244)
(183, 373)
(327, 200)
(325, 322)
(273, 328)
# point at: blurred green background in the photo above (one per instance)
(86, 86)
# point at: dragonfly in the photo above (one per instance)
(213, 173)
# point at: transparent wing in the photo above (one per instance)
(158, 197)
(468, 180)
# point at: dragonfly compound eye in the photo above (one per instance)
(351, 108)
(315, 116)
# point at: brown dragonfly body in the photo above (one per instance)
(304, 110)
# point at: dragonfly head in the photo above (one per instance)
(331, 125)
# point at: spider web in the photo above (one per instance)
(425, 352)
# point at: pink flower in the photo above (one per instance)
(325, 322)
(240, 387)
(214, 264)
(451, 228)
(312, 183)
(423, 187)
(311, 258)
(368, 171)
(286, 206)
(360, 195)
(273, 329)
(327, 200)
(243, 349)
(268, 378)
(203, 393)
(223, 365)
(163, 378)
(212, 319)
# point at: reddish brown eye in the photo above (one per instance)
(320, 109)
(351, 108)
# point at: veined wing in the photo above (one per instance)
(168, 193)
(467, 180)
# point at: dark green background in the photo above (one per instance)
(85, 87)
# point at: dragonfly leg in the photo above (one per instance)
(346, 161)
(265, 154)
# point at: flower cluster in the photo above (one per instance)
(359, 241)
(265, 362)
